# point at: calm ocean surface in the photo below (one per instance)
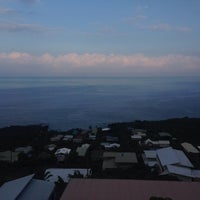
(66, 103)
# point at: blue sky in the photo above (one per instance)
(99, 37)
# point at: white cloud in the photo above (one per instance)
(5, 11)
(30, 1)
(20, 27)
(74, 63)
(167, 27)
(135, 19)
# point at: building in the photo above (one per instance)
(56, 138)
(52, 174)
(61, 154)
(9, 156)
(25, 150)
(189, 148)
(27, 188)
(170, 156)
(113, 189)
(82, 150)
(150, 158)
(107, 145)
(158, 143)
(113, 160)
(68, 138)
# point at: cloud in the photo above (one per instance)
(167, 27)
(30, 1)
(135, 19)
(5, 11)
(95, 63)
(183, 29)
(20, 27)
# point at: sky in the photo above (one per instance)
(99, 37)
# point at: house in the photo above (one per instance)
(170, 162)
(82, 150)
(170, 156)
(92, 136)
(105, 129)
(159, 143)
(51, 147)
(113, 160)
(78, 139)
(68, 138)
(175, 162)
(136, 137)
(150, 158)
(165, 135)
(56, 138)
(111, 138)
(115, 189)
(107, 145)
(189, 148)
(52, 174)
(27, 188)
(182, 173)
(25, 150)
(61, 154)
(9, 156)
(97, 155)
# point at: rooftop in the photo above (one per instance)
(102, 189)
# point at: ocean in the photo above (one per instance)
(76, 102)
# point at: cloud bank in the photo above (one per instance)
(18, 63)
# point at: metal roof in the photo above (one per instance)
(63, 173)
(113, 189)
(37, 189)
(169, 156)
(183, 171)
(10, 190)
(26, 188)
(183, 160)
(127, 157)
(150, 154)
(189, 147)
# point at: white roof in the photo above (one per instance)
(189, 147)
(158, 142)
(168, 156)
(53, 173)
(164, 134)
(62, 151)
(105, 129)
(110, 145)
(150, 154)
(139, 137)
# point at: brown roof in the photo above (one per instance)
(110, 189)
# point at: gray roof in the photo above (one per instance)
(37, 189)
(183, 171)
(127, 157)
(189, 147)
(169, 156)
(26, 188)
(10, 190)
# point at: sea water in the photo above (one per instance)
(77, 102)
